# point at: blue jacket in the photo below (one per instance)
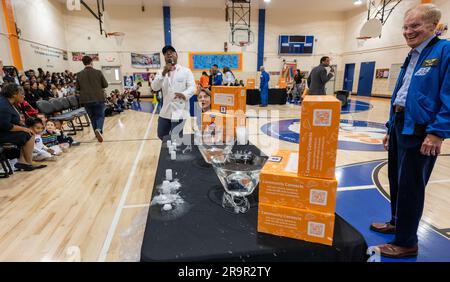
(8, 115)
(218, 78)
(265, 77)
(428, 99)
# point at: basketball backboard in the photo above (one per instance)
(106, 22)
(372, 28)
(73, 5)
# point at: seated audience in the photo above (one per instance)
(50, 138)
(12, 130)
(40, 151)
(62, 137)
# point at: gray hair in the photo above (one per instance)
(430, 13)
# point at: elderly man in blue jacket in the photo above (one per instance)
(418, 124)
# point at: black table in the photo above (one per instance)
(277, 96)
(204, 231)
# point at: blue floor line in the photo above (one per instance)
(363, 207)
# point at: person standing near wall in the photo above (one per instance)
(229, 77)
(204, 80)
(419, 122)
(217, 76)
(91, 84)
(136, 93)
(177, 84)
(319, 77)
(264, 87)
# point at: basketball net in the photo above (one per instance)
(362, 40)
(243, 45)
(118, 36)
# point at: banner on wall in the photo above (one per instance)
(47, 51)
(141, 76)
(146, 61)
(203, 61)
(288, 72)
(382, 73)
(128, 82)
(78, 56)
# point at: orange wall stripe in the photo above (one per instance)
(12, 34)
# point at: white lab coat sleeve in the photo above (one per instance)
(190, 83)
(157, 81)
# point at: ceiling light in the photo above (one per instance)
(357, 2)
(266, 1)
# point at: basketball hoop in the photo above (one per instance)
(362, 40)
(118, 36)
(243, 43)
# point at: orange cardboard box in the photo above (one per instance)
(296, 223)
(229, 98)
(282, 83)
(251, 84)
(225, 123)
(319, 130)
(279, 184)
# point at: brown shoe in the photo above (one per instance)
(99, 135)
(385, 228)
(393, 251)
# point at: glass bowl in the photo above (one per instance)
(210, 147)
(239, 174)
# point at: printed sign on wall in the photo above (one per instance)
(203, 61)
(382, 73)
(78, 56)
(149, 61)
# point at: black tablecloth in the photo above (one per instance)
(276, 96)
(204, 231)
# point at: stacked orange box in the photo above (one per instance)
(282, 83)
(319, 130)
(250, 84)
(229, 98)
(228, 106)
(224, 123)
(294, 204)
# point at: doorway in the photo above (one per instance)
(366, 79)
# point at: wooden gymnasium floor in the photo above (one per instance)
(91, 204)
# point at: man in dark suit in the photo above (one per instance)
(91, 84)
(319, 77)
(418, 124)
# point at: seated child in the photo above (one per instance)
(62, 137)
(121, 102)
(40, 151)
(50, 138)
(130, 98)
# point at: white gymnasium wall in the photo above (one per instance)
(328, 29)
(385, 51)
(203, 29)
(5, 55)
(42, 41)
(144, 34)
